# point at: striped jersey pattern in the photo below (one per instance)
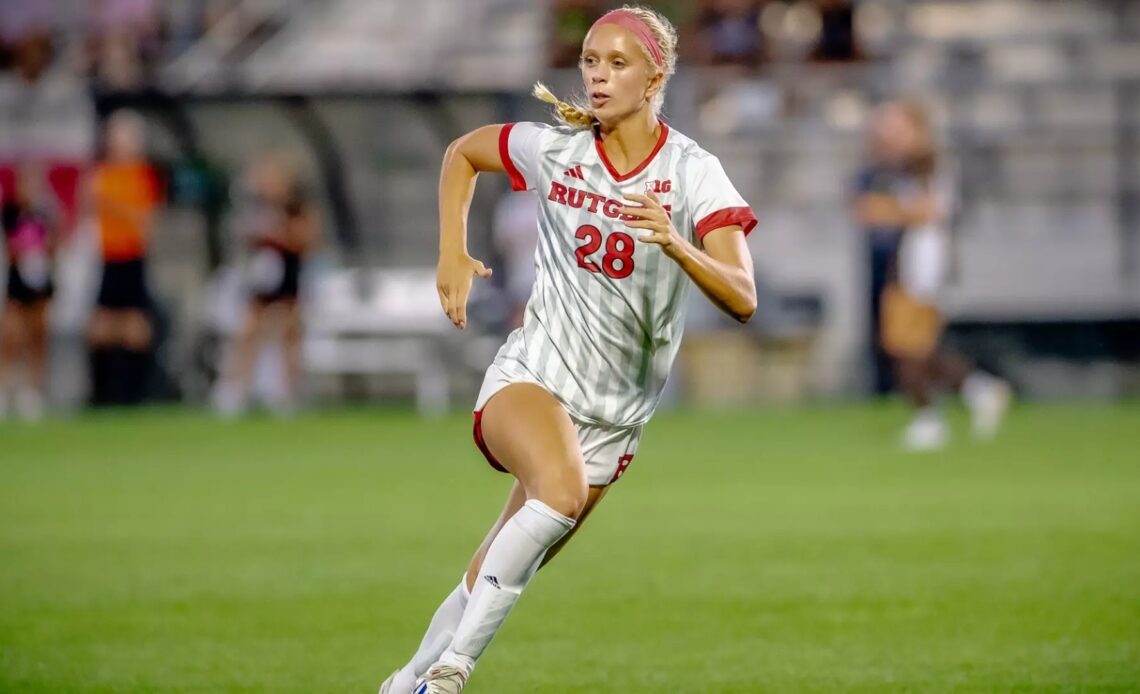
(605, 317)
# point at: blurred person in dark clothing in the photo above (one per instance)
(877, 188)
(838, 41)
(728, 33)
(905, 202)
(124, 193)
(30, 221)
(278, 223)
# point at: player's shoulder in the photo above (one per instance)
(687, 151)
(551, 131)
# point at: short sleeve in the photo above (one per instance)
(715, 201)
(519, 148)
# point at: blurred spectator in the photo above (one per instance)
(48, 119)
(278, 224)
(728, 33)
(572, 19)
(909, 200)
(124, 43)
(124, 194)
(20, 19)
(883, 179)
(30, 220)
(838, 41)
(516, 237)
(46, 111)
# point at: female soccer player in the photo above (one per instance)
(30, 222)
(280, 226)
(630, 212)
(915, 199)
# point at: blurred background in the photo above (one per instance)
(219, 207)
(221, 157)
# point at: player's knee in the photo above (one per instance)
(568, 493)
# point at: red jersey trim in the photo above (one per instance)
(619, 177)
(726, 218)
(517, 181)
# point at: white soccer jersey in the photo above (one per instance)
(605, 317)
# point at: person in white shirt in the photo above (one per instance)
(631, 214)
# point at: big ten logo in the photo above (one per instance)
(623, 465)
(659, 186)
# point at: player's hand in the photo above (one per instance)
(454, 275)
(653, 218)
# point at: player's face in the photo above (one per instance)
(619, 79)
(893, 134)
(124, 139)
(270, 179)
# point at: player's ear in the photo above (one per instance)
(656, 81)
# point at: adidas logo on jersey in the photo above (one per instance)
(574, 172)
(492, 580)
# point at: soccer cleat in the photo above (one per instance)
(926, 432)
(988, 408)
(441, 679)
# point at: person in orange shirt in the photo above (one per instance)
(123, 194)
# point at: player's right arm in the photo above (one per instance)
(465, 158)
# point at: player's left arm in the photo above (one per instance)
(723, 270)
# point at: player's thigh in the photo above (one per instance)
(256, 320)
(36, 320)
(135, 331)
(528, 431)
(290, 317)
(101, 330)
(11, 327)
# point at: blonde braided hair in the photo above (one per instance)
(576, 115)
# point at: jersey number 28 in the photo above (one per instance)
(618, 259)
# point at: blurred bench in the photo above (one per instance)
(365, 322)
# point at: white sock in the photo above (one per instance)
(511, 561)
(436, 640)
(976, 385)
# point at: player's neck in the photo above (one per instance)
(630, 141)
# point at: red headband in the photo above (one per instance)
(629, 20)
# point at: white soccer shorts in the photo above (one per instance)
(606, 450)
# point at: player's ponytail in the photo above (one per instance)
(575, 115)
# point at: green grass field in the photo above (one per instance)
(767, 551)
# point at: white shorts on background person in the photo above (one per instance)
(606, 450)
